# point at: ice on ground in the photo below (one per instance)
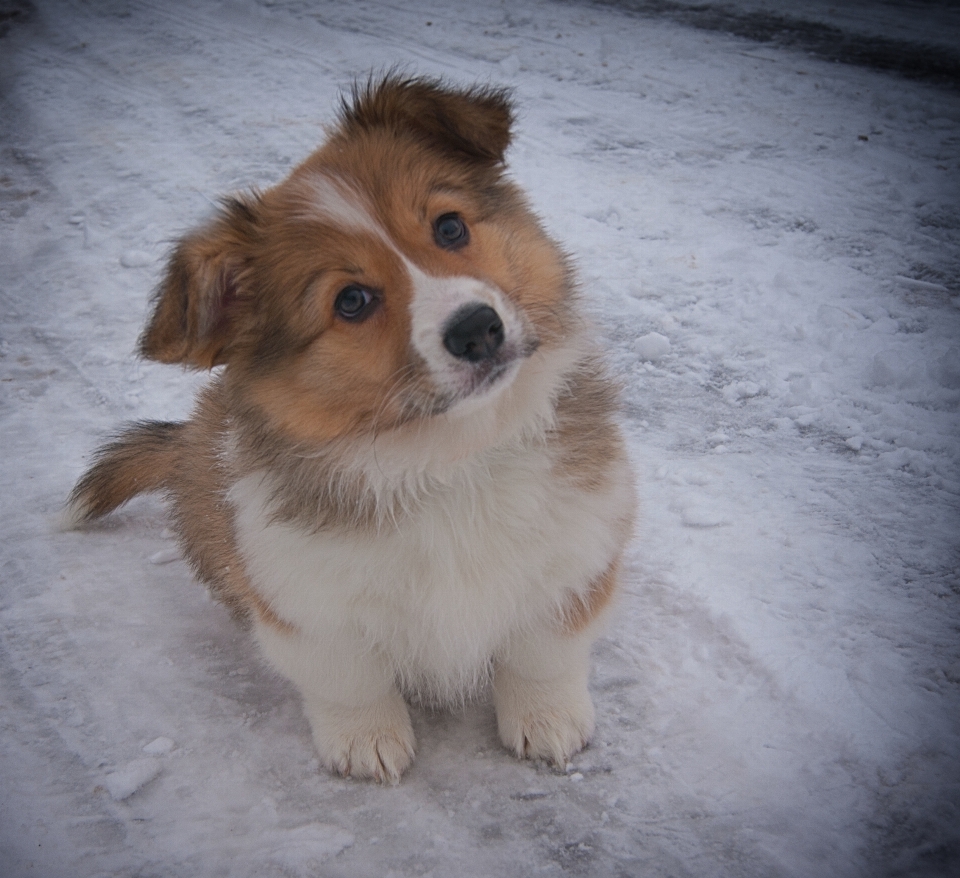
(159, 746)
(131, 778)
(165, 556)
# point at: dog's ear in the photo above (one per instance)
(200, 303)
(473, 123)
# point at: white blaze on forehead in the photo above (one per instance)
(340, 204)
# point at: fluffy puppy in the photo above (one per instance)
(405, 472)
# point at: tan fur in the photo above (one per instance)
(474, 123)
(202, 516)
(139, 460)
(198, 307)
(587, 434)
(582, 610)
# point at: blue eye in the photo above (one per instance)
(450, 231)
(352, 302)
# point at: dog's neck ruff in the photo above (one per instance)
(376, 479)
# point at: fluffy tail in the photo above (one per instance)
(139, 460)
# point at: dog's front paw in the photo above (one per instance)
(374, 741)
(542, 720)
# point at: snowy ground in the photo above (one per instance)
(770, 241)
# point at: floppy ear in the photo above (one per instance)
(199, 304)
(474, 122)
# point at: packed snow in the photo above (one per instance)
(769, 240)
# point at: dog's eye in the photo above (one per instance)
(450, 231)
(352, 302)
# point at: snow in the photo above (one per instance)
(124, 782)
(651, 346)
(769, 243)
(159, 746)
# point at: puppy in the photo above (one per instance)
(405, 473)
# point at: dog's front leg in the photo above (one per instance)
(360, 723)
(540, 694)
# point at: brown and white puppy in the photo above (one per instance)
(406, 475)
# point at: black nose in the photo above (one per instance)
(474, 333)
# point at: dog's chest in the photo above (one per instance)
(491, 549)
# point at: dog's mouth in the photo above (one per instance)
(467, 384)
(488, 377)
(486, 374)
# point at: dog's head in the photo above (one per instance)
(394, 275)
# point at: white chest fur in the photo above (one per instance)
(491, 550)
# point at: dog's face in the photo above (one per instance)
(394, 275)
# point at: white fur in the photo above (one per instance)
(358, 718)
(337, 202)
(541, 697)
(494, 548)
(72, 516)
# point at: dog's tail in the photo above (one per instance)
(141, 459)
